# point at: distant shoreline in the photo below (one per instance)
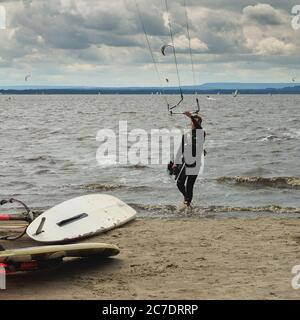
(147, 91)
(230, 88)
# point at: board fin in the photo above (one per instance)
(40, 227)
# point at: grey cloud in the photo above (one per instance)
(101, 32)
(239, 5)
(263, 14)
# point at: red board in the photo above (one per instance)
(4, 217)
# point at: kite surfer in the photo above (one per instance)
(188, 160)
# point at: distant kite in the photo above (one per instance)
(27, 77)
(163, 48)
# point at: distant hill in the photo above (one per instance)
(245, 86)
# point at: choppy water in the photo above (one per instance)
(48, 153)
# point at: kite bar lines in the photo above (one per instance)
(164, 50)
(151, 52)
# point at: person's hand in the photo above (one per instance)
(188, 114)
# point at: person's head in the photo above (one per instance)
(196, 122)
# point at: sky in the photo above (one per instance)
(102, 43)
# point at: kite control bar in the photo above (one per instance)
(176, 105)
(193, 112)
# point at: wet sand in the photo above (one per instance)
(230, 258)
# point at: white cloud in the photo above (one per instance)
(273, 46)
(53, 38)
(263, 14)
(182, 43)
(267, 31)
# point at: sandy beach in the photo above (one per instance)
(232, 258)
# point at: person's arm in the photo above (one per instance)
(189, 115)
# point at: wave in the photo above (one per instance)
(101, 187)
(48, 159)
(55, 131)
(135, 167)
(270, 137)
(263, 209)
(112, 187)
(172, 209)
(42, 171)
(274, 182)
(291, 135)
(86, 112)
(37, 158)
(257, 171)
(139, 188)
(85, 138)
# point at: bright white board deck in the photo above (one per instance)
(80, 218)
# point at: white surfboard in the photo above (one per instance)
(80, 218)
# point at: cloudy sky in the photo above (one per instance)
(101, 42)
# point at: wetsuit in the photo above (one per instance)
(189, 156)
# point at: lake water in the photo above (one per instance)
(48, 153)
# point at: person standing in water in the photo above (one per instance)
(189, 157)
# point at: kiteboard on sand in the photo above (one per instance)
(80, 218)
(34, 258)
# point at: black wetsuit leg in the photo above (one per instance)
(190, 188)
(181, 183)
(185, 185)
